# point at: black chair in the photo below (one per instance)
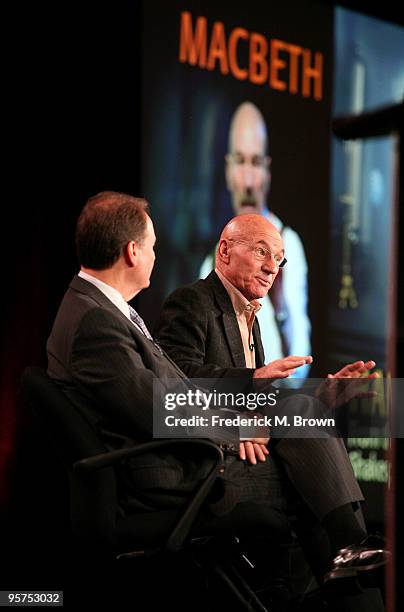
(100, 527)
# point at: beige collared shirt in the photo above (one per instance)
(245, 312)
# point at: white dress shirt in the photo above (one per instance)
(111, 293)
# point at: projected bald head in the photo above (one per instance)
(247, 165)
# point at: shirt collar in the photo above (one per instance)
(240, 303)
(110, 292)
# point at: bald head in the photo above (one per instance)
(248, 226)
(247, 121)
(247, 162)
(249, 253)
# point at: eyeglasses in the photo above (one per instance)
(258, 161)
(261, 253)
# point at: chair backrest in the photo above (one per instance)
(94, 506)
(95, 510)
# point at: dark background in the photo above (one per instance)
(73, 129)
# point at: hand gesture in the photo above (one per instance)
(282, 368)
(356, 370)
(335, 393)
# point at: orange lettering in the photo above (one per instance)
(237, 33)
(258, 61)
(315, 73)
(294, 51)
(193, 47)
(276, 65)
(263, 67)
(217, 50)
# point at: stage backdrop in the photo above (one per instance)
(200, 62)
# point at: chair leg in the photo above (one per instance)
(219, 559)
(249, 593)
(252, 604)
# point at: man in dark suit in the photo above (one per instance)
(210, 330)
(102, 355)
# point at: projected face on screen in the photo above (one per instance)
(247, 165)
(205, 152)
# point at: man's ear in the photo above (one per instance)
(131, 253)
(224, 250)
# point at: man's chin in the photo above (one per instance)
(262, 291)
(248, 209)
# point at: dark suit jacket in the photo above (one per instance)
(198, 328)
(106, 366)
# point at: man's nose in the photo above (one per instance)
(248, 175)
(269, 265)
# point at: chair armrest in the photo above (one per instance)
(182, 528)
(97, 462)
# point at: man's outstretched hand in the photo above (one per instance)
(356, 370)
(335, 393)
(282, 368)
